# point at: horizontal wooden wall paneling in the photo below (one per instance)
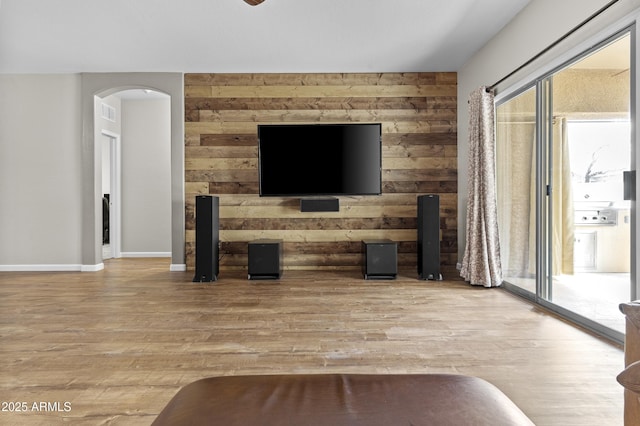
(414, 151)
(292, 247)
(395, 163)
(406, 264)
(196, 188)
(222, 140)
(413, 163)
(305, 79)
(229, 151)
(284, 211)
(317, 235)
(397, 150)
(351, 211)
(329, 255)
(388, 206)
(221, 163)
(236, 127)
(228, 175)
(388, 175)
(324, 223)
(194, 105)
(324, 91)
(293, 258)
(446, 200)
(420, 187)
(420, 138)
(308, 115)
(450, 151)
(292, 212)
(439, 175)
(418, 113)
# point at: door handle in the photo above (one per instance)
(629, 179)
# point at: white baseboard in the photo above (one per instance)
(145, 254)
(92, 268)
(85, 268)
(40, 268)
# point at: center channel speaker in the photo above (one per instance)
(429, 237)
(207, 238)
(319, 205)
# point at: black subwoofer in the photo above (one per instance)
(380, 259)
(207, 238)
(265, 259)
(429, 237)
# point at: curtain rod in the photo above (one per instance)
(554, 44)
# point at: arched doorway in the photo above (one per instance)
(133, 131)
(102, 85)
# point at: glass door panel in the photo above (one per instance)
(589, 243)
(516, 186)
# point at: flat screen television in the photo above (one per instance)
(320, 159)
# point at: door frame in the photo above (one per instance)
(115, 197)
(541, 80)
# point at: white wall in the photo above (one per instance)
(40, 172)
(146, 177)
(539, 25)
(41, 175)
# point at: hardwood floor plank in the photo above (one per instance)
(117, 344)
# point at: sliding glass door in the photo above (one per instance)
(564, 157)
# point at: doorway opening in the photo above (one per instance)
(133, 143)
(111, 232)
(102, 85)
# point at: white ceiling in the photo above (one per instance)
(53, 36)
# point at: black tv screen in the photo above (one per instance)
(320, 159)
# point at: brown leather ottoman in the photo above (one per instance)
(342, 399)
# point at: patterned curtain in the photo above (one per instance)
(481, 261)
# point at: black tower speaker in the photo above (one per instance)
(265, 259)
(207, 238)
(380, 259)
(429, 237)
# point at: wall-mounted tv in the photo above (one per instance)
(320, 159)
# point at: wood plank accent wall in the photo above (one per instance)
(418, 116)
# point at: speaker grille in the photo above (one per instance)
(207, 238)
(429, 237)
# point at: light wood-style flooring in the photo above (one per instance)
(113, 347)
